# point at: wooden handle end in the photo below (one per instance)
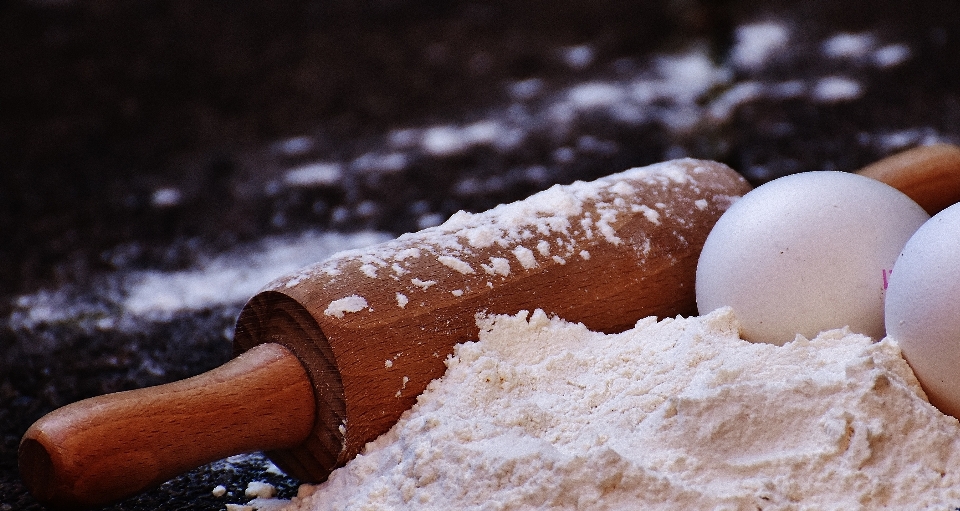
(106, 448)
(38, 471)
(930, 175)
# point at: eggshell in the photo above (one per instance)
(923, 307)
(806, 253)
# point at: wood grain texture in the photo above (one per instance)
(930, 175)
(374, 326)
(109, 447)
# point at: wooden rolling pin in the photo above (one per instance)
(330, 357)
(930, 175)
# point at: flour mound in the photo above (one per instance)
(676, 414)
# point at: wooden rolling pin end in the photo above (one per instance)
(106, 448)
(930, 175)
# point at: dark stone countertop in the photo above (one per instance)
(150, 145)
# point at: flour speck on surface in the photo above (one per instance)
(352, 303)
(675, 414)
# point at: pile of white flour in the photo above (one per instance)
(676, 414)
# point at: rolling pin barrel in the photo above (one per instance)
(373, 327)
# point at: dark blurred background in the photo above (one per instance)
(149, 142)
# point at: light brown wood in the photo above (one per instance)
(930, 175)
(374, 327)
(109, 447)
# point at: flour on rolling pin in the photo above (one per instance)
(374, 326)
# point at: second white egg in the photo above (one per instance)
(921, 307)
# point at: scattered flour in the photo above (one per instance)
(676, 414)
(422, 284)
(260, 489)
(456, 264)
(497, 266)
(525, 256)
(352, 303)
(314, 174)
(835, 89)
(232, 277)
(166, 197)
(757, 43)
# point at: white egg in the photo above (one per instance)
(806, 253)
(922, 312)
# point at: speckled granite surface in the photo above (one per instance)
(152, 150)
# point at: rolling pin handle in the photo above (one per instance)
(930, 175)
(106, 448)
